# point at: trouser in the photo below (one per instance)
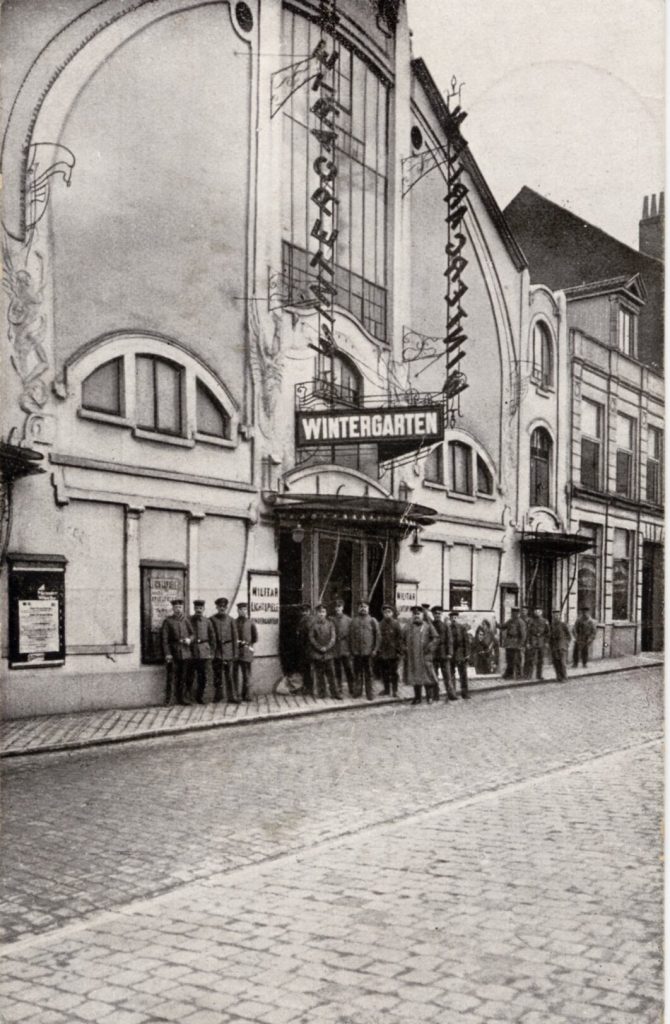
(513, 669)
(322, 673)
(389, 673)
(536, 661)
(559, 660)
(580, 651)
(444, 666)
(198, 672)
(363, 674)
(243, 667)
(528, 662)
(462, 668)
(307, 678)
(343, 668)
(175, 674)
(225, 683)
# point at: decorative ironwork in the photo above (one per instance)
(455, 336)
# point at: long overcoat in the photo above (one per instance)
(420, 641)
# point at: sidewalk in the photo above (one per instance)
(119, 725)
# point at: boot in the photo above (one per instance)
(218, 694)
(417, 695)
(395, 690)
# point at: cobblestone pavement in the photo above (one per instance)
(491, 861)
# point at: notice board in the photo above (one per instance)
(36, 611)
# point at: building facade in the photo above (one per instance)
(227, 252)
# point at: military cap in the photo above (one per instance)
(198, 604)
(177, 600)
(221, 600)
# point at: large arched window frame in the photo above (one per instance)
(461, 467)
(543, 355)
(541, 468)
(155, 388)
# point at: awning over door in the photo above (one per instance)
(554, 545)
(353, 510)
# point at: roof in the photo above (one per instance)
(633, 286)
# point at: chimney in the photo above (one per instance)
(652, 227)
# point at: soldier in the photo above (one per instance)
(442, 654)
(420, 639)
(536, 638)
(460, 652)
(247, 636)
(322, 637)
(364, 641)
(202, 648)
(176, 636)
(390, 650)
(529, 654)
(225, 652)
(584, 632)
(342, 650)
(514, 642)
(559, 642)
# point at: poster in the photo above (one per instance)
(406, 597)
(38, 627)
(36, 611)
(164, 588)
(264, 610)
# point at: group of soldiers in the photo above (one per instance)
(525, 638)
(337, 648)
(195, 646)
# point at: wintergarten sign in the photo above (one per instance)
(424, 425)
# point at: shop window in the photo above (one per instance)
(540, 467)
(158, 395)
(460, 595)
(161, 583)
(655, 465)
(543, 356)
(591, 444)
(102, 389)
(484, 478)
(626, 322)
(588, 574)
(621, 575)
(460, 468)
(211, 419)
(625, 443)
(434, 465)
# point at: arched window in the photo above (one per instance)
(540, 467)
(341, 381)
(460, 468)
(484, 478)
(211, 419)
(543, 355)
(158, 395)
(434, 465)
(102, 390)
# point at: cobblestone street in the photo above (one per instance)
(491, 861)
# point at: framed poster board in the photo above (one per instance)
(264, 610)
(36, 610)
(161, 583)
(406, 597)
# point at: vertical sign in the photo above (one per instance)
(36, 611)
(406, 597)
(264, 610)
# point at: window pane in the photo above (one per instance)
(621, 576)
(101, 391)
(653, 481)
(168, 397)
(145, 404)
(210, 417)
(625, 432)
(484, 479)
(620, 545)
(623, 465)
(591, 418)
(540, 458)
(589, 571)
(434, 464)
(460, 468)
(590, 473)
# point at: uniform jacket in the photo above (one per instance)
(204, 637)
(342, 624)
(364, 635)
(584, 630)
(247, 636)
(538, 633)
(420, 641)
(322, 637)
(174, 632)
(225, 637)
(559, 636)
(514, 634)
(391, 644)
(460, 641)
(445, 644)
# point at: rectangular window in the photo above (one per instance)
(460, 468)
(592, 426)
(161, 584)
(626, 332)
(460, 572)
(158, 391)
(621, 575)
(434, 471)
(655, 465)
(625, 440)
(460, 595)
(588, 573)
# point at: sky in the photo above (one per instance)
(564, 96)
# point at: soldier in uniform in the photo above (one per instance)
(322, 637)
(559, 643)
(364, 641)
(584, 632)
(536, 638)
(225, 652)
(390, 650)
(460, 652)
(442, 654)
(420, 639)
(202, 648)
(342, 650)
(176, 637)
(247, 637)
(514, 642)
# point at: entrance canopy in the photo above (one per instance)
(554, 545)
(352, 510)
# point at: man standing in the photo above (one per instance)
(364, 641)
(176, 636)
(420, 639)
(460, 652)
(514, 642)
(247, 636)
(442, 654)
(342, 650)
(559, 642)
(225, 652)
(202, 648)
(322, 637)
(536, 639)
(528, 654)
(584, 632)
(390, 650)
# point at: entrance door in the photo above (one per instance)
(540, 584)
(652, 597)
(336, 574)
(290, 599)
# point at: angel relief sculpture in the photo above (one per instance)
(26, 325)
(267, 361)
